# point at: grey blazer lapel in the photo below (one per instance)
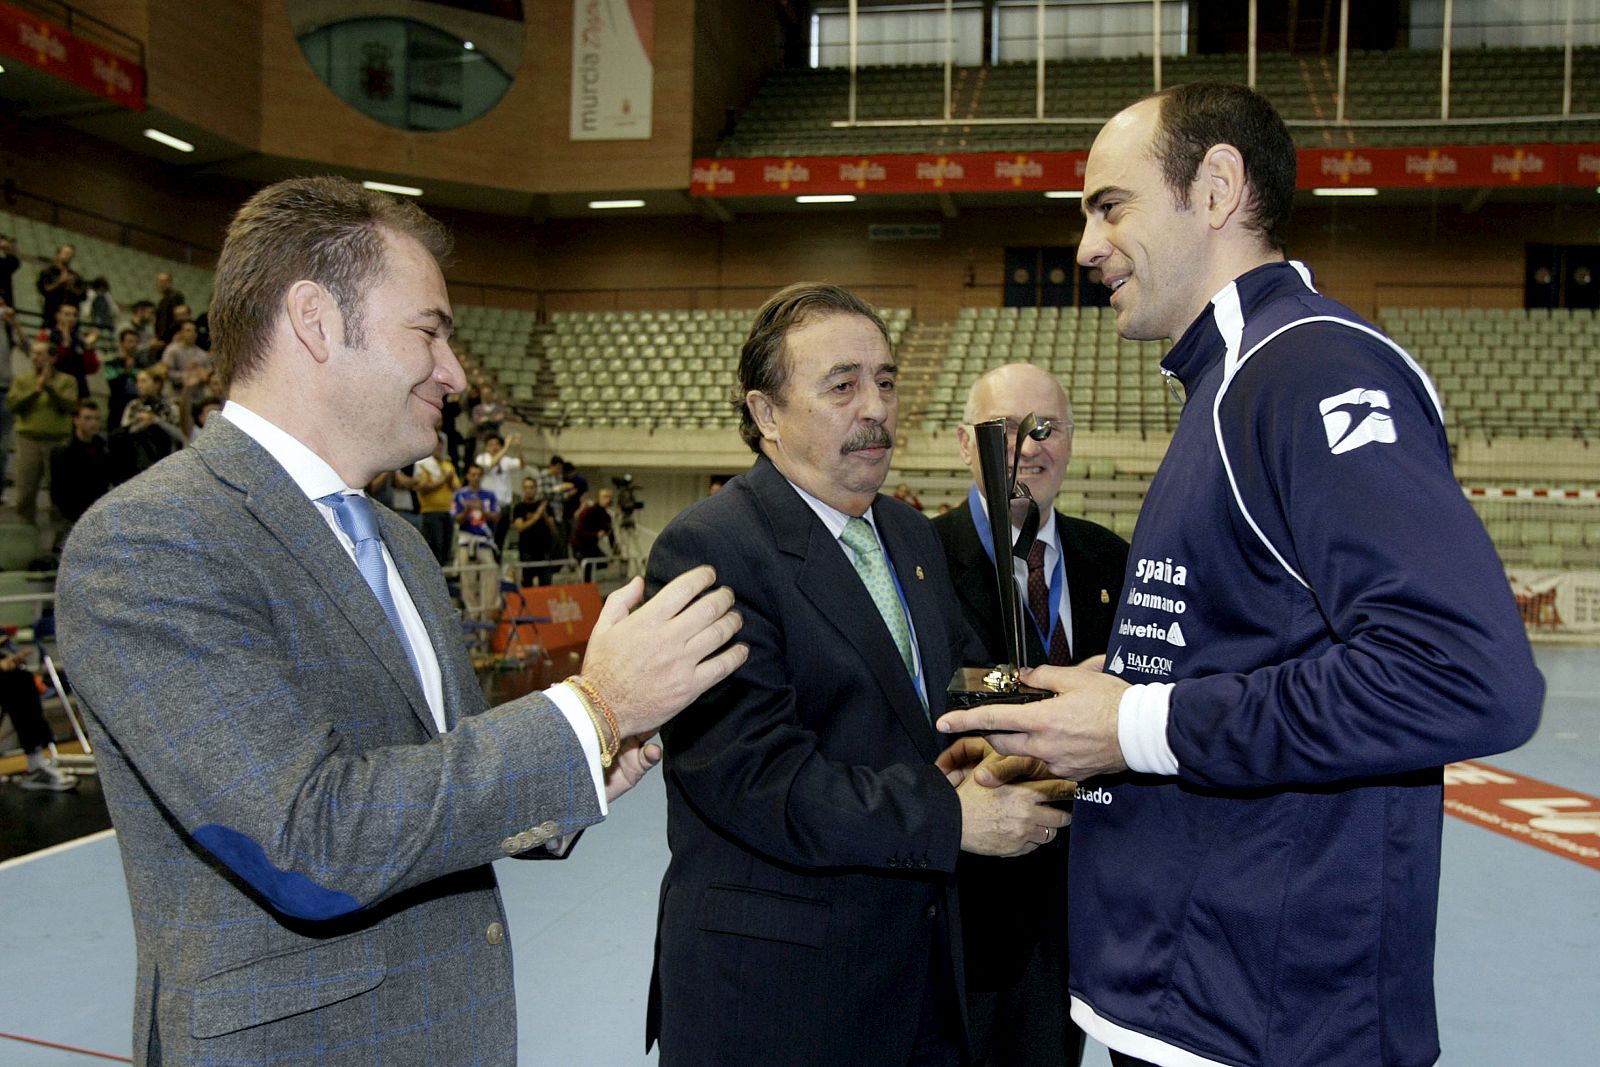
(276, 502)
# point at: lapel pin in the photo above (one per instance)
(919, 574)
(1105, 597)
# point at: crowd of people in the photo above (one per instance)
(160, 387)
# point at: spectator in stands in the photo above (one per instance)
(488, 413)
(142, 317)
(184, 353)
(405, 495)
(75, 354)
(202, 325)
(476, 511)
(122, 373)
(450, 417)
(59, 284)
(148, 400)
(533, 519)
(80, 469)
(593, 523)
(19, 700)
(499, 469)
(435, 485)
(199, 385)
(714, 486)
(575, 493)
(98, 309)
(43, 401)
(11, 346)
(9, 262)
(180, 315)
(168, 299)
(148, 437)
(903, 493)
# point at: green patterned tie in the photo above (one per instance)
(874, 571)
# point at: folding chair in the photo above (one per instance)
(44, 628)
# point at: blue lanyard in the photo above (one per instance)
(1058, 576)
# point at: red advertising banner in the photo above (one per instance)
(1537, 813)
(571, 611)
(1441, 166)
(54, 50)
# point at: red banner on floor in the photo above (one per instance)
(566, 615)
(56, 50)
(1438, 166)
(1545, 816)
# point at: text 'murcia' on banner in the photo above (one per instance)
(613, 69)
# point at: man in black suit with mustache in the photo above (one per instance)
(809, 914)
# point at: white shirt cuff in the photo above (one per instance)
(1142, 728)
(571, 706)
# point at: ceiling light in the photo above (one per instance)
(1343, 190)
(398, 190)
(468, 45)
(1064, 194)
(170, 141)
(608, 205)
(828, 198)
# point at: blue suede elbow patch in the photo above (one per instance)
(289, 891)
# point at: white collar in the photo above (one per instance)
(315, 477)
(834, 519)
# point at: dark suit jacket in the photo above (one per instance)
(307, 856)
(813, 841)
(1011, 904)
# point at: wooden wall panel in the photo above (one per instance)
(203, 64)
(735, 43)
(521, 144)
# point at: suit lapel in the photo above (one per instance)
(827, 579)
(276, 502)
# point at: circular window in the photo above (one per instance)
(435, 67)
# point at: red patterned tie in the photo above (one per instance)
(1039, 605)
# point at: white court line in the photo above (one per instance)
(17, 861)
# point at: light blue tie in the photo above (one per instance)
(356, 518)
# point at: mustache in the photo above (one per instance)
(873, 436)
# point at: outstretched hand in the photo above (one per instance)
(1073, 733)
(651, 658)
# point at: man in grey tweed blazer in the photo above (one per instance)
(305, 779)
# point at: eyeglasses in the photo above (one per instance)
(1043, 428)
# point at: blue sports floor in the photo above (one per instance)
(1518, 960)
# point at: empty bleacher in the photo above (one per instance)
(1505, 372)
(793, 112)
(653, 369)
(1115, 385)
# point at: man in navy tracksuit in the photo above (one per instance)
(1313, 623)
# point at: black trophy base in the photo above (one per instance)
(972, 686)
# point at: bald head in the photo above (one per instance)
(1013, 392)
